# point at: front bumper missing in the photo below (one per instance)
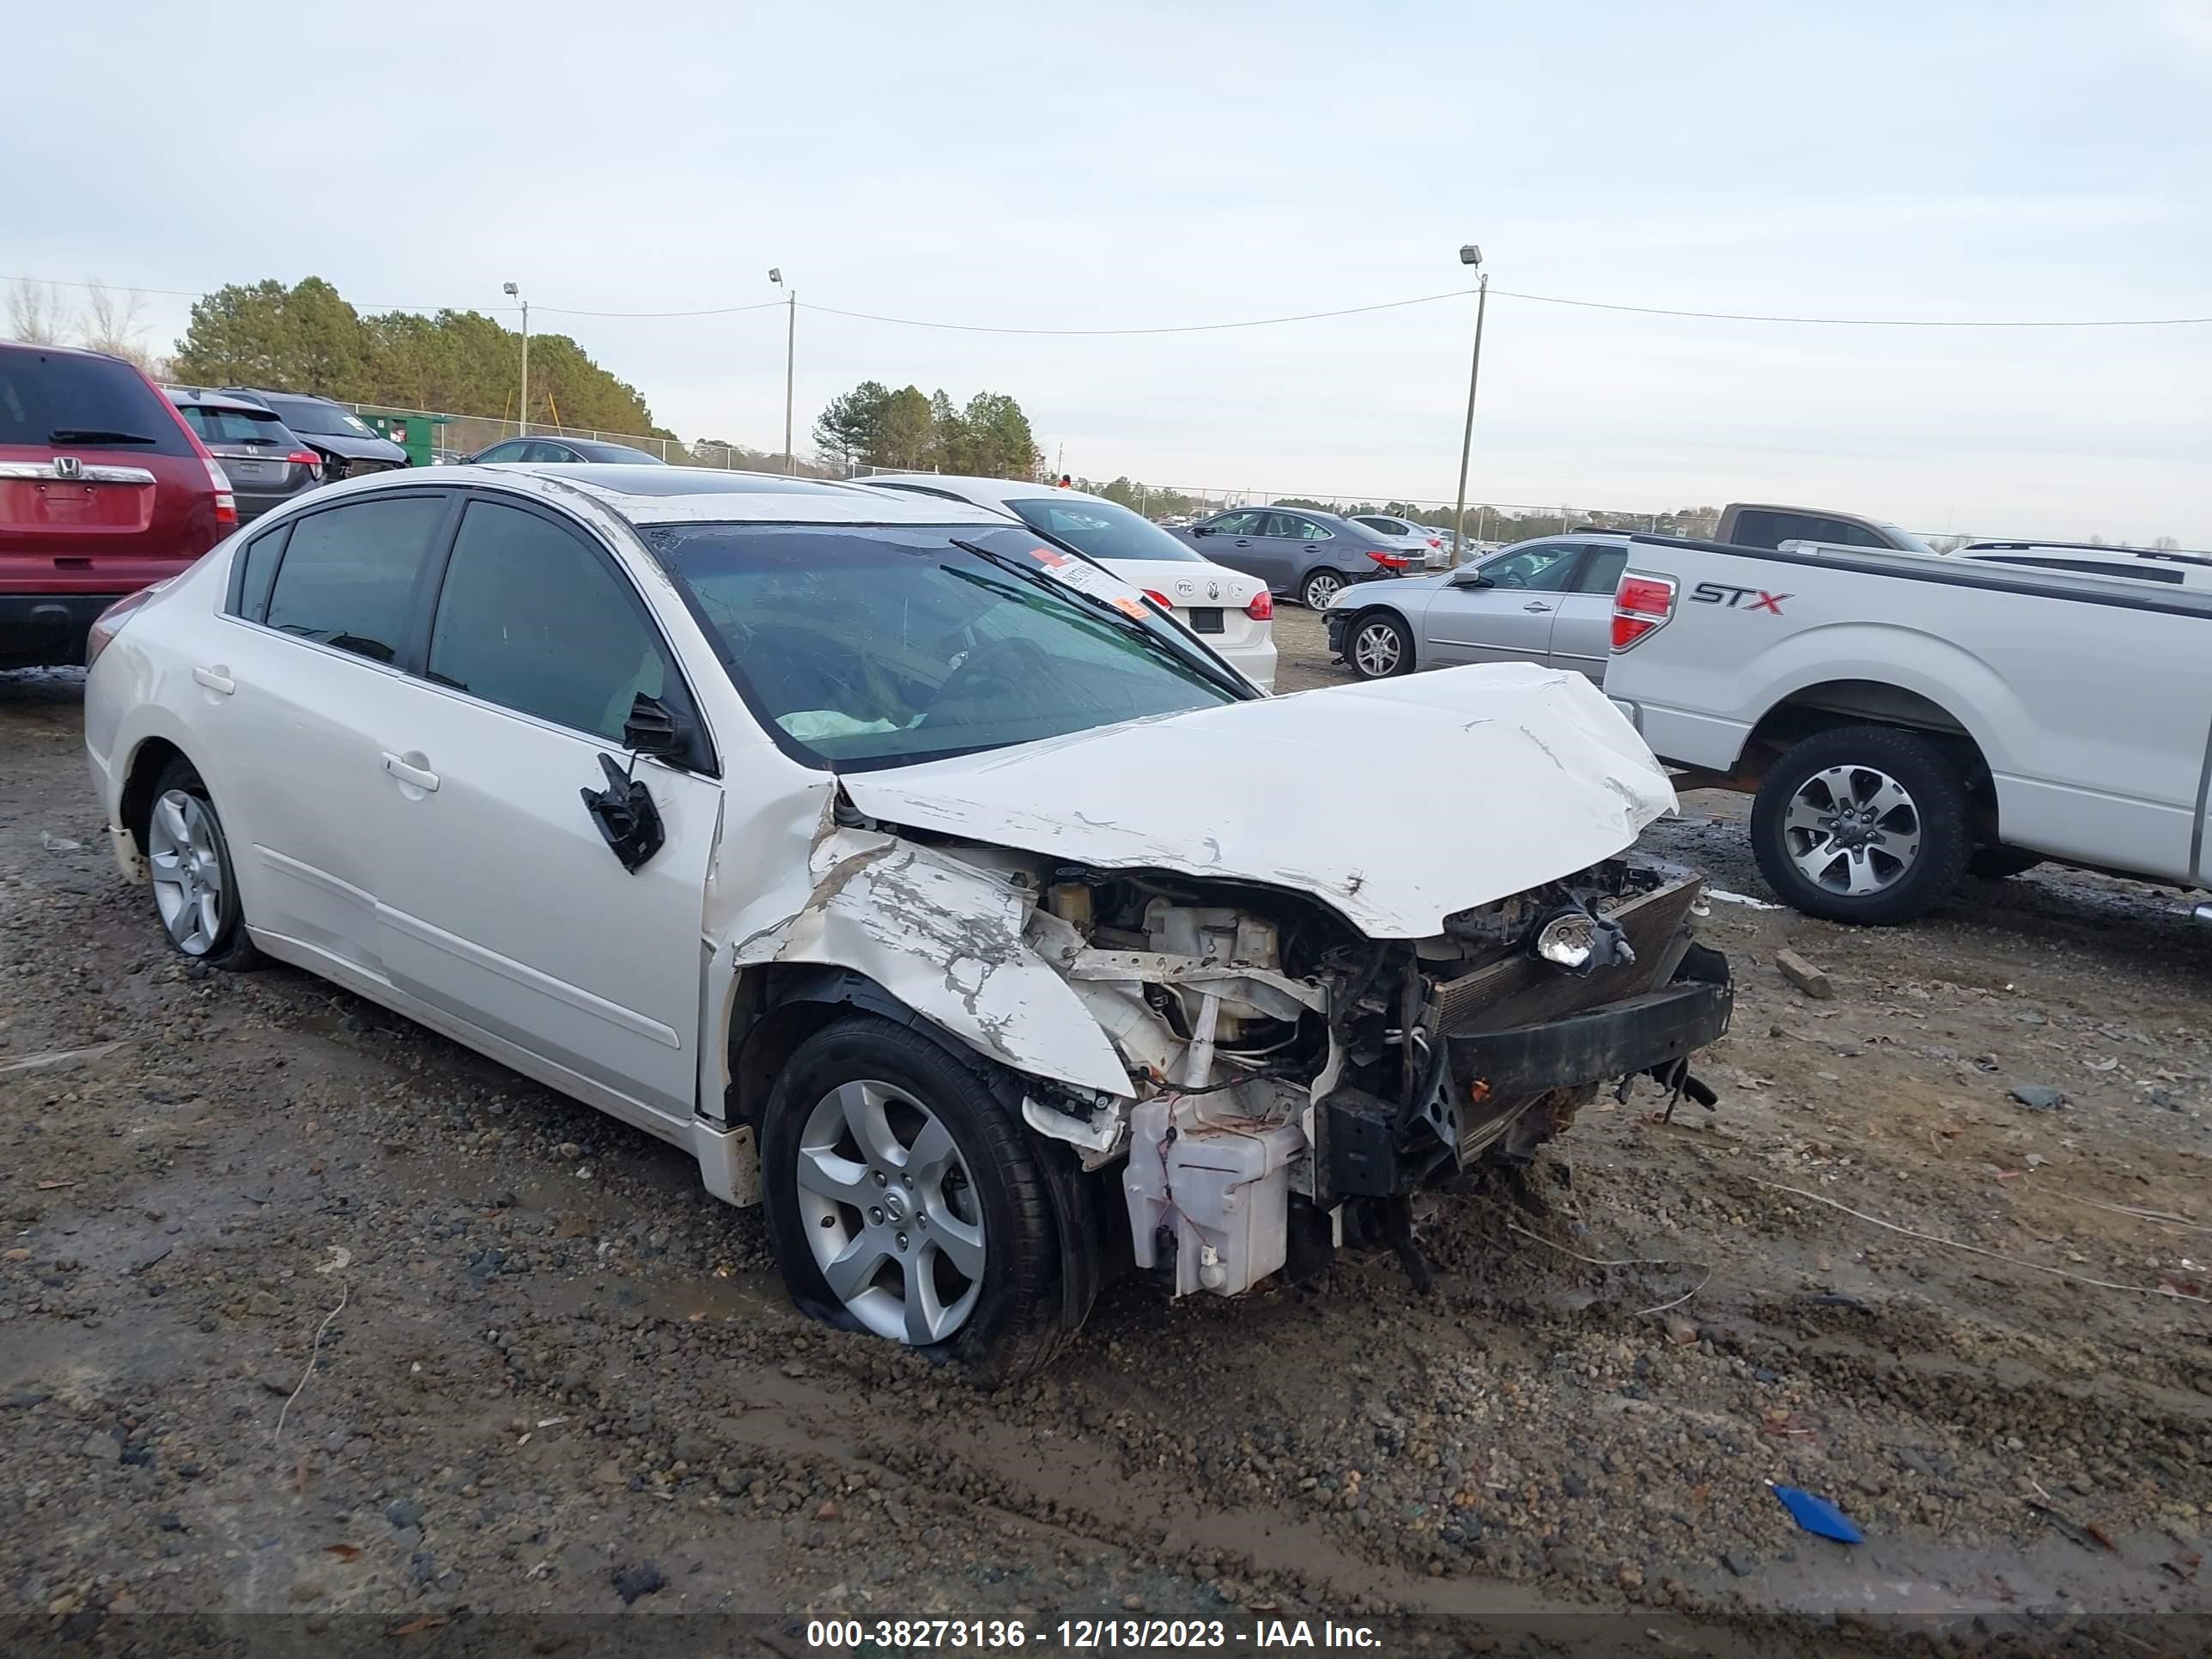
(1360, 1133)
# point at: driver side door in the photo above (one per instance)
(1509, 621)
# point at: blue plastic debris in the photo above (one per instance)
(1818, 1516)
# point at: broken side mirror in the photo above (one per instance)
(626, 815)
(655, 729)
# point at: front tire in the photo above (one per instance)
(1865, 824)
(906, 1197)
(1379, 648)
(194, 884)
(1319, 588)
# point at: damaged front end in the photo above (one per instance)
(1254, 1063)
(1267, 1038)
(1286, 1065)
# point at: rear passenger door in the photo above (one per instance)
(502, 905)
(304, 681)
(1582, 628)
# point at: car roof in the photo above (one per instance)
(255, 391)
(995, 491)
(646, 494)
(181, 395)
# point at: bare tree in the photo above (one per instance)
(114, 324)
(34, 313)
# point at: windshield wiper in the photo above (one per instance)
(96, 434)
(1036, 576)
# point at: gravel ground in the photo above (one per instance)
(563, 1381)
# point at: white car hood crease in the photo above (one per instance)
(1395, 803)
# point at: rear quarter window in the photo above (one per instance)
(45, 392)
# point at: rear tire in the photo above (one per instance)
(1378, 647)
(1318, 588)
(194, 883)
(1865, 824)
(933, 1214)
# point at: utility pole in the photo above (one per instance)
(790, 357)
(523, 410)
(1469, 254)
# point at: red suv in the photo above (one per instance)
(104, 490)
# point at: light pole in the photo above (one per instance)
(790, 352)
(523, 411)
(1469, 254)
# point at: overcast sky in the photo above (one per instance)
(1124, 165)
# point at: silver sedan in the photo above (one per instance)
(1547, 601)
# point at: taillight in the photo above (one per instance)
(1159, 600)
(1390, 561)
(109, 622)
(1642, 606)
(1262, 608)
(226, 504)
(303, 457)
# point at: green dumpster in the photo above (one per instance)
(415, 433)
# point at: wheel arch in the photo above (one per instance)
(1373, 609)
(134, 803)
(1830, 705)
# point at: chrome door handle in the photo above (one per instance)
(1532, 605)
(414, 774)
(215, 680)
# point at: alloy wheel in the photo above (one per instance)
(1852, 829)
(1376, 651)
(1321, 588)
(184, 850)
(891, 1213)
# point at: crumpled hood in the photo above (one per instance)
(1395, 803)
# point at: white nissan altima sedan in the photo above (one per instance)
(883, 856)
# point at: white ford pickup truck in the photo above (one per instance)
(1903, 719)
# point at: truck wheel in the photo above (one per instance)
(906, 1198)
(1865, 824)
(188, 860)
(1995, 863)
(1379, 647)
(1319, 587)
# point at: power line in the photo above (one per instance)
(1183, 328)
(1269, 322)
(1866, 322)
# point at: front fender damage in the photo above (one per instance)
(946, 939)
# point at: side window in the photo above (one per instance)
(1298, 529)
(1600, 572)
(510, 451)
(1544, 569)
(547, 452)
(1758, 530)
(532, 618)
(347, 574)
(256, 568)
(1237, 524)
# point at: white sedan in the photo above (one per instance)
(1232, 612)
(923, 882)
